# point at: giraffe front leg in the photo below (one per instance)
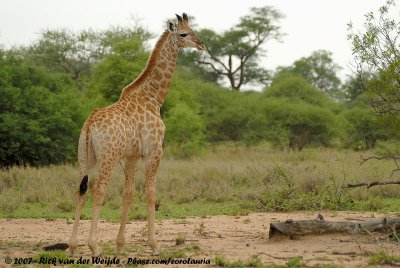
(129, 194)
(152, 164)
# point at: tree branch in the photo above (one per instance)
(369, 185)
(212, 66)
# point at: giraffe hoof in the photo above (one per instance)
(156, 252)
(72, 252)
(120, 249)
(97, 254)
(72, 248)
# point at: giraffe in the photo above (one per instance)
(131, 128)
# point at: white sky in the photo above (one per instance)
(309, 24)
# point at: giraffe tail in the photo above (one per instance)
(84, 183)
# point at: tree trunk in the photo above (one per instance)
(306, 227)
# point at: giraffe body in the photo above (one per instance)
(131, 128)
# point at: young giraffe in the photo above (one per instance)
(131, 128)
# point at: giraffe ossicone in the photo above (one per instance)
(131, 128)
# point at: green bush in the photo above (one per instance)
(363, 128)
(296, 88)
(294, 125)
(117, 70)
(40, 115)
(184, 131)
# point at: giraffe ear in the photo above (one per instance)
(170, 26)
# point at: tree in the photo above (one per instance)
(185, 130)
(363, 128)
(235, 54)
(76, 53)
(40, 114)
(376, 50)
(354, 85)
(319, 70)
(297, 114)
(125, 62)
(294, 87)
(295, 124)
(68, 52)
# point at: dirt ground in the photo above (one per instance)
(234, 237)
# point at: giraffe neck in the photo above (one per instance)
(153, 83)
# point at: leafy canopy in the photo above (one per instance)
(234, 55)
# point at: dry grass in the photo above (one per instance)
(251, 178)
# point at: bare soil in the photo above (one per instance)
(234, 237)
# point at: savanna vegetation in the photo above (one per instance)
(229, 149)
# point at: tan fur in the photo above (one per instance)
(131, 128)
(149, 66)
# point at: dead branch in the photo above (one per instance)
(369, 185)
(293, 228)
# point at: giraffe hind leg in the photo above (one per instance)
(81, 196)
(99, 189)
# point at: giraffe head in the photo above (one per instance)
(184, 35)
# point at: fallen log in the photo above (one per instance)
(319, 226)
(369, 185)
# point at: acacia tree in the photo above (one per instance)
(235, 54)
(376, 50)
(76, 53)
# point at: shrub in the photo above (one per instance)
(184, 131)
(296, 124)
(37, 125)
(296, 88)
(363, 128)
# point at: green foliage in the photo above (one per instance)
(230, 179)
(184, 131)
(295, 262)
(254, 261)
(38, 126)
(354, 87)
(383, 258)
(297, 124)
(376, 50)
(76, 53)
(234, 54)
(49, 88)
(363, 128)
(127, 60)
(319, 70)
(295, 88)
(377, 55)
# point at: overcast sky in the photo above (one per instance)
(309, 25)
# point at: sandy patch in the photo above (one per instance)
(234, 237)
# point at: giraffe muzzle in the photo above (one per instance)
(201, 46)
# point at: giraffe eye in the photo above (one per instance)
(183, 34)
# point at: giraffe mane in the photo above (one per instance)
(149, 66)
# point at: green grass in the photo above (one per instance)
(179, 240)
(383, 258)
(221, 261)
(177, 253)
(231, 180)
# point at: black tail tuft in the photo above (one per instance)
(83, 186)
